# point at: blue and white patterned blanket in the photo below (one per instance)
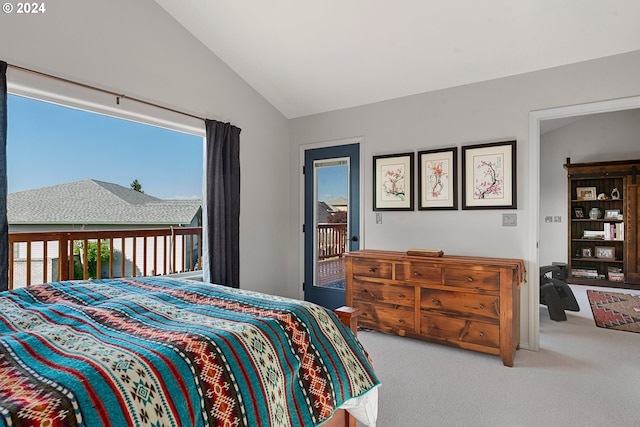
(166, 352)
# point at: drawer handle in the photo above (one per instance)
(400, 321)
(481, 306)
(433, 326)
(372, 269)
(400, 295)
(469, 279)
(434, 300)
(481, 334)
(416, 274)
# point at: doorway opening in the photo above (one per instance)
(535, 122)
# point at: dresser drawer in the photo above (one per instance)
(473, 279)
(457, 330)
(385, 318)
(487, 306)
(425, 273)
(372, 268)
(383, 293)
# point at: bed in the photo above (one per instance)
(159, 351)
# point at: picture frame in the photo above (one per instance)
(611, 213)
(605, 252)
(586, 253)
(586, 193)
(393, 182)
(437, 179)
(489, 176)
(578, 213)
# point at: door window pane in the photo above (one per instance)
(331, 178)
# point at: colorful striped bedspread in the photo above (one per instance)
(172, 352)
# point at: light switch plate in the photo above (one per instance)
(378, 218)
(509, 220)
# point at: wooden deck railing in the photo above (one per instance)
(332, 240)
(38, 257)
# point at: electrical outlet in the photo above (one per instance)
(557, 219)
(509, 220)
(548, 219)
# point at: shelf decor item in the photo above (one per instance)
(594, 213)
(489, 176)
(607, 252)
(611, 213)
(586, 193)
(615, 194)
(393, 182)
(437, 179)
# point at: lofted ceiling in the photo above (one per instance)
(313, 56)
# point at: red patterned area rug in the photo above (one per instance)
(613, 310)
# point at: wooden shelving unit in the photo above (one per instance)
(603, 250)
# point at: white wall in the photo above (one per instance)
(135, 48)
(592, 138)
(490, 111)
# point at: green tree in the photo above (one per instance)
(135, 185)
(92, 259)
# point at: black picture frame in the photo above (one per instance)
(393, 182)
(489, 179)
(438, 179)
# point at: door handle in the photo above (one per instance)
(354, 238)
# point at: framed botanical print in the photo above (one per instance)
(437, 179)
(393, 182)
(489, 176)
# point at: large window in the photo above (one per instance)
(50, 146)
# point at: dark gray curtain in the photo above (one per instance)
(223, 202)
(4, 226)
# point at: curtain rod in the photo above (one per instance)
(108, 92)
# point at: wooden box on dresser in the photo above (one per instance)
(467, 302)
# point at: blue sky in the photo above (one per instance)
(48, 144)
(332, 182)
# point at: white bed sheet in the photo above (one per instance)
(364, 408)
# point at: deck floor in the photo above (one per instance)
(331, 273)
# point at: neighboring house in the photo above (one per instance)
(96, 205)
(339, 204)
(93, 204)
(324, 213)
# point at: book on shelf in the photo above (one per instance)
(588, 273)
(613, 231)
(593, 234)
(616, 277)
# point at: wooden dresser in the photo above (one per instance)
(467, 302)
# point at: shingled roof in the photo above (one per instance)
(96, 202)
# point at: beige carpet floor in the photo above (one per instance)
(582, 376)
